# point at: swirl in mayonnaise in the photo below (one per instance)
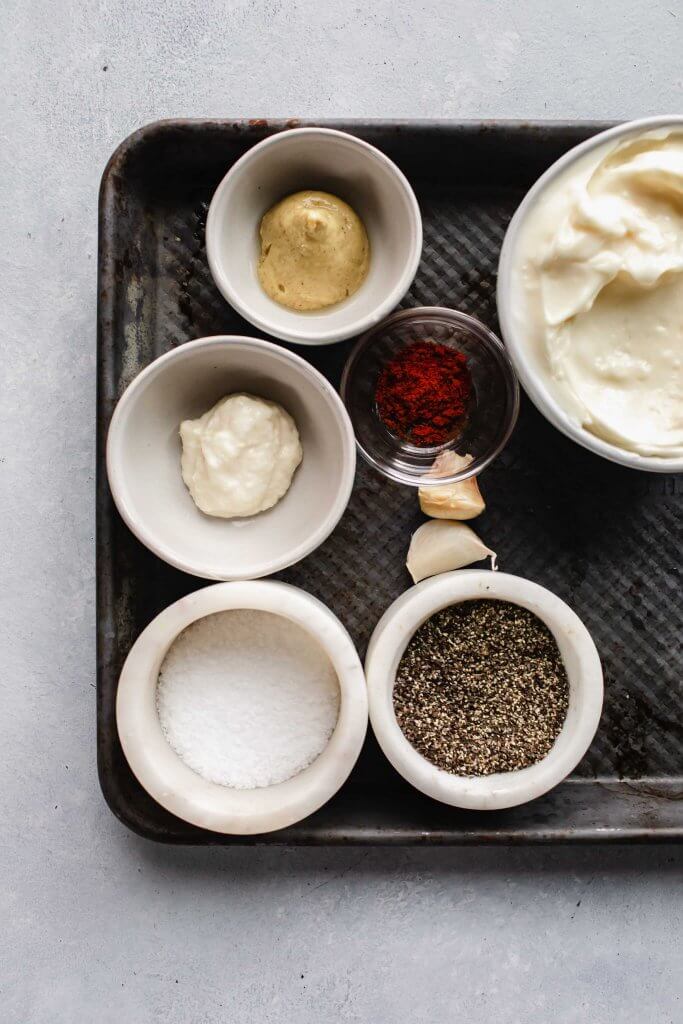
(598, 291)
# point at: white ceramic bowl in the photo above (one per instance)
(532, 376)
(185, 793)
(332, 161)
(505, 789)
(144, 450)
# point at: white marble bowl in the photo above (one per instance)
(185, 793)
(331, 161)
(505, 789)
(144, 450)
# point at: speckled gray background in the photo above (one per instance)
(97, 924)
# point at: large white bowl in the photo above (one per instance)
(331, 161)
(504, 789)
(532, 376)
(185, 793)
(144, 449)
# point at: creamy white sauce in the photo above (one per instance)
(598, 291)
(240, 456)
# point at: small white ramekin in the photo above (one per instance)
(331, 161)
(144, 451)
(534, 383)
(505, 789)
(185, 793)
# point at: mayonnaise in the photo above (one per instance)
(598, 291)
(240, 456)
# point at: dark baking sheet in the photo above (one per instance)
(606, 539)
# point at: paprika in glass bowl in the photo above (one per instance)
(427, 381)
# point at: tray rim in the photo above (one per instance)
(272, 125)
(308, 833)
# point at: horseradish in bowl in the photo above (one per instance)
(242, 708)
(230, 457)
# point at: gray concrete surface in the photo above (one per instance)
(97, 924)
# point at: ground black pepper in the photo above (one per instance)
(482, 688)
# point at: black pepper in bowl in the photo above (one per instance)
(481, 688)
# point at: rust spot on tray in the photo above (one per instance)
(189, 274)
(629, 730)
(660, 793)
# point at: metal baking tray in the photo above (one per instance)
(605, 538)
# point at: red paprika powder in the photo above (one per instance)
(423, 393)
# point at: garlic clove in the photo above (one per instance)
(441, 545)
(461, 500)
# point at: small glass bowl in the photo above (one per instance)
(493, 408)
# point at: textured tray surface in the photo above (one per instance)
(606, 539)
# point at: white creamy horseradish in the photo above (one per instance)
(240, 456)
(598, 291)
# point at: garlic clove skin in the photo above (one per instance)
(461, 500)
(441, 545)
(448, 463)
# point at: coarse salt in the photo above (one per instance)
(246, 698)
